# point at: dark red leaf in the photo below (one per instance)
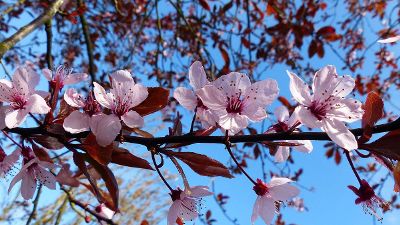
(202, 164)
(388, 145)
(123, 157)
(245, 42)
(155, 101)
(327, 30)
(373, 109)
(338, 157)
(204, 4)
(99, 153)
(41, 153)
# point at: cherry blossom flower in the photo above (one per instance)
(367, 198)
(186, 203)
(123, 96)
(33, 172)
(269, 195)
(63, 76)
(7, 161)
(21, 95)
(235, 101)
(284, 124)
(327, 107)
(104, 211)
(188, 98)
(78, 121)
(389, 40)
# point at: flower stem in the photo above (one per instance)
(8, 136)
(194, 119)
(352, 166)
(228, 147)
(180, 170)
(159, 172)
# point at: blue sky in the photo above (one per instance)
(330, 203)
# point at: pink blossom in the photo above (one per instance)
(78, 121)
(123, 96)
(389, 40)
(327, 107)
(235, 101)
(104, 211)
(269, 195)
(186, 203)
(33, 172)
(21, 95)
(7, 161)
(190, 100)
(367, 198)
(284, 124)
(63, 76)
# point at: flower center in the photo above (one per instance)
(260, 188)
(318, 110)
(176, 194)
(18, 102)
(235, 105)
(200, 104)
(365, 192)
(91, 105)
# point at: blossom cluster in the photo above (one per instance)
(230, 103)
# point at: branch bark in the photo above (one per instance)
(10, 42)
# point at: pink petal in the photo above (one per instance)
(74, 78)
(138, 94)
(188, 209)
(15, 118)
(121, 76)
(25, 77)
(283, 192)
(389, 40)
(200, 191)
(267, 209)
(307, 118)
(186, 98)
(212, 98)
(173, 212)
(262, 93)
(105, 128)
(206, 117)
(277, 181)
(106, 212)
(36, 104)
(76, 122)
(73, 98)
(344, 85)
(132, 119)
(43, 94)
(323, 80)
(6, 91)
(282, 154)
(122, 83)
(281, 113)
(349, 110)
(340, 134)
(256, 209)
(306, 146)
(3, 110)
(254, 112)
(21, 174)
(233, 84)
(48, 74)
(233, 122)
(45, 177)
(101, 96)
(197, 76)
(28, 186)
(65, 176)
(299, 89)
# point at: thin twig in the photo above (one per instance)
(347, 153)
(35, 204)
(159, 172)
(49, 37)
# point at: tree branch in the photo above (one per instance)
(8, 43)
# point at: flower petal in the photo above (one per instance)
(3, 110)
(281, 113)
(233, 84)
(36, 104)
(389, 40)
(263, 92)
(346, 110)
(307, 118)
(212, 98)
(188, 210)
(15, 118)
(283, 192)
(105, 128)
(200, 191)
(73, 98)
(132, 119)
(101, 96)
(48, 74)
(254, 112)
(267, 209)
(21, 174)
(45, 177)
(74, 78)
(76, 122)
(256, 209)
(28, 185)
(6, 90)
(206, 117)
(186, 98)
(306, 146)
(299, 89)
(340, 134)
(282, 154)
(323, 80)
(173, 212)
(276, 181)
(197, 76)
(233, 122)
(25, 77)
(138, 94)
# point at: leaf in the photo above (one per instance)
(155, 101)
(387, 145)
(204, 4)
(41, 153)
(202, 164)
(123, 157)
(245, 42)
(101, 154)
(47, 142)
(338, 157)
(312, 49)
(396, 175)
(65, 110)
(327, 30)
(373, 109)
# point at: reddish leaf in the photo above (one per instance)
(101, 154)
(144, 222)
(202, 164)
(387, 145)
(204, 4)
(373, 109)
(41, 153)
(245, 42)
(123, 157)
(329, 153)
(312, 49)
(155, 101)
(327, 30)
(65, 110)
(47, 142)
(338, 157)
(396, 175)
